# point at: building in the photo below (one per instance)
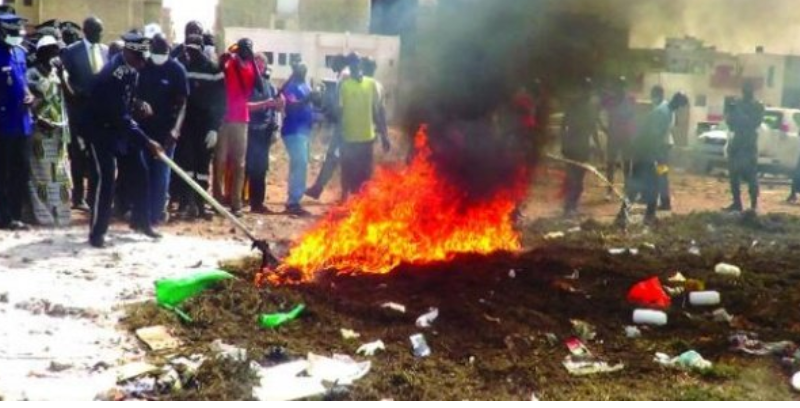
(119, 16)
(688, 55)
(317, 50)
(351, 16)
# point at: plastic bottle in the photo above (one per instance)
(728, 270)
(420, 346)
(173, 291)
(276, 319)
(709, 298)
(650, 317)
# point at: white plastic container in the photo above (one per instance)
(796, 381)
(709, 298)
(728, 270)
(649, 317)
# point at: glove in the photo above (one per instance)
(211, 139)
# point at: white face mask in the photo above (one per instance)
(159, 59)
(14, 41)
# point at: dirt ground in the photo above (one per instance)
(502, 337)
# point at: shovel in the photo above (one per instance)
(267, 259)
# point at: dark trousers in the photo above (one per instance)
(645, 182)
(617, 156)
(136, 176)
(194, 158)
(796, 179)
(573, 187)
(357, 162)
(104, 166)
(664, 193)
(159, 179)
(744, 168)
(80, 168)
(332, 158)
(15, 170)
(259, 142)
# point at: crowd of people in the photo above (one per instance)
(86, 126)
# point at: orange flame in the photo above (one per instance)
(413, 216)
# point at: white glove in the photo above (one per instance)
(211, 139)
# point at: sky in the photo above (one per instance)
(184, 11)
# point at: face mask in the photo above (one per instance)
(159, 59)
(14, 41)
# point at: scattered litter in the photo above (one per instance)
(690, 360)
(796, 381)
(721, 316)
(574, 230)
(554, 235)
(339, 369)
(4, 297)
(369, 349)
(577, 348)
(710, 298)
(171, 292)
(728, 270)
(394, 306)
(282, 383)
(551, 338)
(492, 319)
(649, 317)
(750, 344)
(348, 334)
(580, 368)
(158, 338)
(277, 319)
(649, 245)
(674, 292)
(583, 330)
(170, 380)
(138, 388)
(677, 278)
(633, 251)
(512, 274)
(134, 370)
(57, 367)
(621, 251)
(574, 276)
(632, 332)
(533, 397)
(419, 346)
(754, 244)
(227, 351)
(649, 293)
(427, 319)
(694, 249)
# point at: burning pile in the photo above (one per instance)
(413, 215)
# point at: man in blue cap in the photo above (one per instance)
(113, 132)
(16, 124)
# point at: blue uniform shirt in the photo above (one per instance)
(162, 87)
(15, 116)
(299, 117)
(110, 108)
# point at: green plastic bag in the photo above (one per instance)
(271, 321)
(171, 292)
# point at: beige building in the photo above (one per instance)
(119, 16)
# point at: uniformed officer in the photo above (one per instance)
(16, 125)
(162, 85)
(578, 130)
(113, 132)
(744, 119)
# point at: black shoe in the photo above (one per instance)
(237, 213)
(147, 231)
(314, 192)
(15, 226)
(261, 210)
(81, 206)
(733, 208)
(297, 211)
(98, 242)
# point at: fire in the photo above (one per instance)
(411, 215)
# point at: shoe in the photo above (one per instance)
(147, 231)
(733, 208)
(665, 207)
(792, 199)
(261, 210)
(297, 211)
(16, 226)
(237, 213)
(98, 242)
(81, 206)
(314, 192)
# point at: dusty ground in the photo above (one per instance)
(490, 341)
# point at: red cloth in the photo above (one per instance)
(240, 80)
(649, 293)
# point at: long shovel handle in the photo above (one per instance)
(202, 192)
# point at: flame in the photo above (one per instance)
(411, 215)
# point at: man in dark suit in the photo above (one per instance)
(83, 60)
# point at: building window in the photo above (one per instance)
(282, 59)
(771, 77)
(329, 61)
(295, 58)
(700, 101)
(270, 57)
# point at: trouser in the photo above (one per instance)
(80, 170)
(356, 161)
(259, 143)
(231, 152)
(332, 158)
(573, 187)
(617, 155)
(159, 178)
(297, 146)
(133, 166)
(645, 180)
(796, 179)
(664, 193)
(15, 170)
(744, 168)
(194, 158)
(104, 166)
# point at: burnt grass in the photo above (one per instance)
(491, 338)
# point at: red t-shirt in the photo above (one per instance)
(240, 80)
